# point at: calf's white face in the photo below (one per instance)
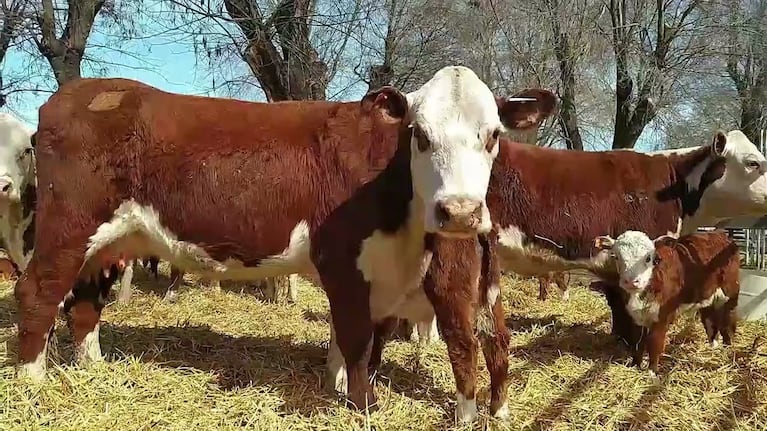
(16, 164)
(634, 253)
(455, 123)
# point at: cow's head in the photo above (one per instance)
(454, 122)
(636, 256)
(742, 189)
(16, 159)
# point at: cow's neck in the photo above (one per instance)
(697, 170)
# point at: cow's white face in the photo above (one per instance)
(742, 190)
(455, 122)
(16, 158)
(634, 253)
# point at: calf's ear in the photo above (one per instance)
(604, 242)
(389, 101)
(526, 109)
(719, 142)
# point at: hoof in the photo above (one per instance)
(466, 410)
(503, 412)
(566, 295)
(171, 297)
(654, 379)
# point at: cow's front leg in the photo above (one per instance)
(451, 286)
(126, 280)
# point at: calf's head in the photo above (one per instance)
(639, 259)
(16, 159)
(453, 125)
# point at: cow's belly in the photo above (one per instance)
(135, 231)
(394, 265)
(522, 257)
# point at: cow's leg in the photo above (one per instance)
(354, 335)
(335, 378)
(83, 310)
(381, 334)
(559, 279)
(495, 342)
(123, 297)
(277, 289)
(543, 287)
(709, 319)
(623, 326)
(424, 332)
(176, 277)
(727, 320)
(293, 288)
(48, 278)
(656, 344)
(453, 291)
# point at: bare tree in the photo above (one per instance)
(747, 62)
(12, 14)
(65, 49)
(652, 44)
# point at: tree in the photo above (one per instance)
(747, 62)
(65, 51)
(12, 14)
(652, 46)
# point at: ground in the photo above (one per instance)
(227, 360)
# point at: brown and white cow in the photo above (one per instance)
(666, 276)
(17, 190)
(547, 218)
(344, 193)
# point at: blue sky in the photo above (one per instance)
(164, 62)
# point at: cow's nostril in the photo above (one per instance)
(6, 187)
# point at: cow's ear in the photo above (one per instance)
(527, 108)
(719, 142)
(389, 101)
(604, 242)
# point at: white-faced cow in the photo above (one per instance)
(344, 193)
(17, 190)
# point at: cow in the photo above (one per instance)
(343, 193)
(582, 195)
(668, 275)
(17, 190)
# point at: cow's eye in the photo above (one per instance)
(656, 260)
(753, 164)
(493, 140)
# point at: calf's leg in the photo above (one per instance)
(495, 343)
(543, 287)
(656, 345)
(451, 286)
(176, 277)
(708, 317)
(382, 332)
(559, 279)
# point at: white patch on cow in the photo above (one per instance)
(456, 113)
(717, 299)
(654, 379)
(89, 350)
(336, 378)
(492, 294)
(643, 309)
(511, 237)
(503, 412)
(715, 344)
(35, 370)
(136, 230)
(565, 295)
(123, 297)
(465, 410)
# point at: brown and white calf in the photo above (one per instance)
(344, 193)
(664, 277)
(547, 218)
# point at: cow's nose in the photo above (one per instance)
(459, 215)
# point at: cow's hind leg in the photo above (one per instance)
(83, 310)
(709, 319)
(39, 292)
(381, 334)
(177, 277)
(126, 281)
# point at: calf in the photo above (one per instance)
(343, 193)
(663, 277)
(559, 279)
(17, 190)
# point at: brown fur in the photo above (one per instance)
(690, 270)
(543, 284)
